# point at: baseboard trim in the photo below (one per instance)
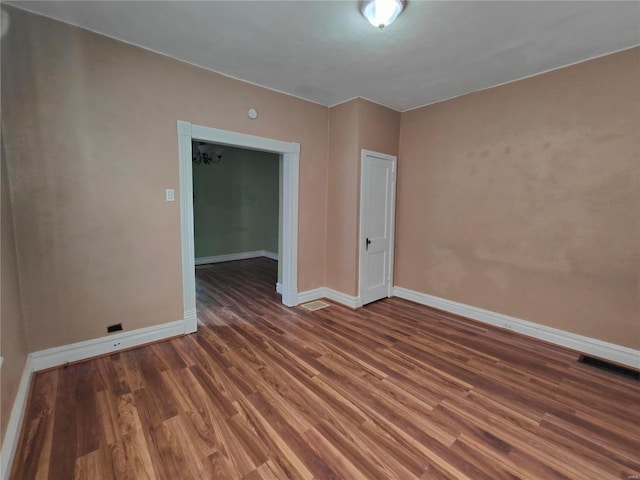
(190, 321)
(14, 426)
(54, 357)
(610, 351)
(279, 288)
(343, 298)
(271, 255)
(236, 256)
(331, 294)
(311, 295)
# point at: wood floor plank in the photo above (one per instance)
(89, 427)
(281, 452)
(65, 435)
(131, 459)
(118, 415)
(373, 462)
(393, 391)
(37, 430)
(113, 374)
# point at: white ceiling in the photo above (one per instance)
(326, 52)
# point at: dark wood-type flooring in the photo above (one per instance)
(394, 390)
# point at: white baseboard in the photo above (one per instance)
(331, 294)
(311, 295)
(290, 297)
(54, 357)
(271, 255)
(343, 298)
(279, 288)
(190, 321)
(591, 346)
(12, 433)
(236, 256)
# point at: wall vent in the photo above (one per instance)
(610, 367)
(114, 328)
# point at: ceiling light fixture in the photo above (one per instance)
(206, 154)
(381, 13)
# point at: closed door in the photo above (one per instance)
(377, 215)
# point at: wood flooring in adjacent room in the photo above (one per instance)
(394, 390)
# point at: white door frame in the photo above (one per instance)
(187, 132)
(361, 235)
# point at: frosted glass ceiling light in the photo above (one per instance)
(381, 13)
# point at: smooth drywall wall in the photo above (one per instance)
(525, 199)
(342, 199)
(13, 346)
(379, 128)
(235, 203)
(353, 126)
(91, 123)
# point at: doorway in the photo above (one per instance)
(236, 203)
(290, 152)
(377, 225)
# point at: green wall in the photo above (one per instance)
(236, 202)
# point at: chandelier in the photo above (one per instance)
(205, 153)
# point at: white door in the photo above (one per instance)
(377, 215)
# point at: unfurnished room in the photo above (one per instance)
(351, 239)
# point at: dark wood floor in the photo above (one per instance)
(391, 391)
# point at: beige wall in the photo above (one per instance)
(379, 128)
(525, 199)
(342, 198)
(353, 126)
(13, 346)
(91, 124)
(522, 199)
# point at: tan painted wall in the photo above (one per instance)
(504, 199)
(379, 128)
(342, 199)
(353, 126)
(13, 346)
(525, 199)
(91, 123)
